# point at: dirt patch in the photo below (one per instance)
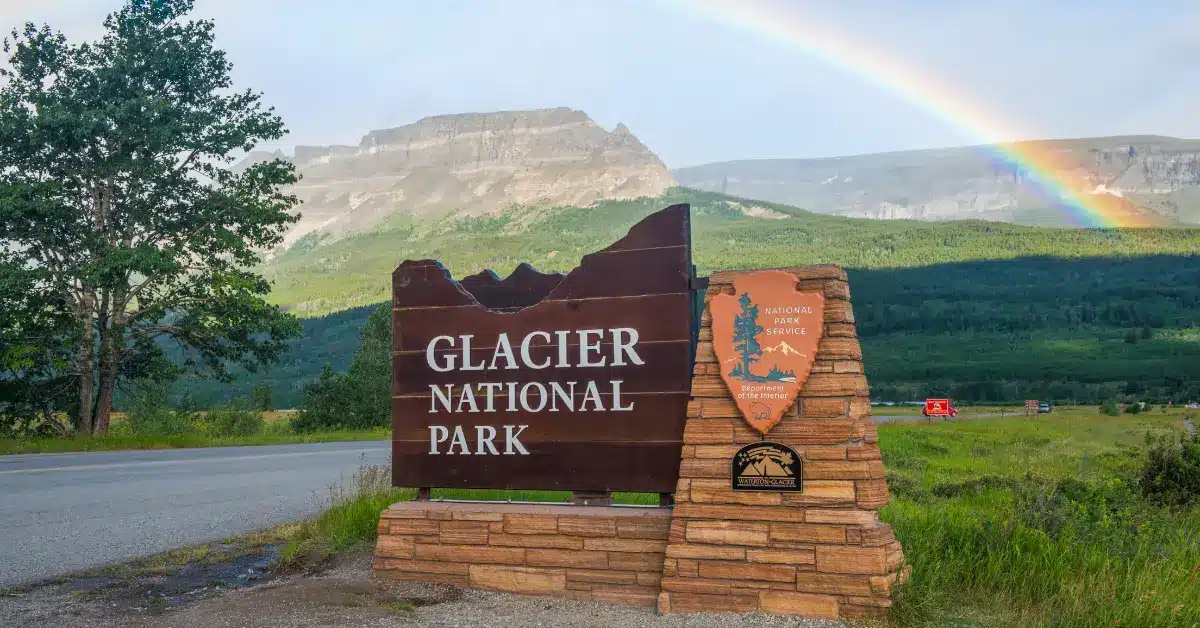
(345, 596)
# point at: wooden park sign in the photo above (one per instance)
(740, 399)
(577, 382)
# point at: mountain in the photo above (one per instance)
(1148, 179)
(314, 277)
(974, 310)
(783, 348)
(472, 163)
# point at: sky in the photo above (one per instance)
(697, 88)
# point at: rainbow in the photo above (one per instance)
(1037, 162)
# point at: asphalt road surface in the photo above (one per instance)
(61, 513)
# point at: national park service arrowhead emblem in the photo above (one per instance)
(765, 336)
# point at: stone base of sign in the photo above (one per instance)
(600, 553)
(822, 552)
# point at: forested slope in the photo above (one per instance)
(976, 310)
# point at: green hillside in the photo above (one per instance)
(979, 311)
(316, 278)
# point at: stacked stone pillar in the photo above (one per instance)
(822, 552)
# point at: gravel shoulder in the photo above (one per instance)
(345, 596)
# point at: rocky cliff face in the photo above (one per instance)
(1149, 179)
(475, 162)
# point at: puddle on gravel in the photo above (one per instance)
(156, 593)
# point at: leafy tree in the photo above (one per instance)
(1171, 473)
(263, 398)
(34, 354)
(113, 186)
(745, 335)
(361, 397)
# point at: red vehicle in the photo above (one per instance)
(939, 407)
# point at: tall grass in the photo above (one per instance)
(350, 522)
(1037, 523)
(1023, 522)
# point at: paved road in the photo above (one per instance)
(61, 513)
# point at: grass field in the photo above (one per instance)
(119, 443)
(1007, 521)
(1035, 522)
(275, 432)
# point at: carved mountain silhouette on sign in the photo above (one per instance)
(783, 348)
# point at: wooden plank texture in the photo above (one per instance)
(641, 282)
(642, 467)
(658, 373)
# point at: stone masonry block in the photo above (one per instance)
(708, 431)
(824, 407)
(739, 513)
(566, 558)
(747, 571)
(851, 560)
(626, 545)
(728, 533)
(587, 526)
(470, 554)
(525, 580)
(464, 533)
(706, 551)
(391, 546)
(792, 603)
(808, 533)
(653, 528)
(536, 541)
(839, 348)
(872, 493)
(530, 524)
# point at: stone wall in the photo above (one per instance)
(822, 552)
(600, 553)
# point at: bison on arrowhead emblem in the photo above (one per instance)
(765, 336)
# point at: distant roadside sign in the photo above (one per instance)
(937, 407)
(1031, 404)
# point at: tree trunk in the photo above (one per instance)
(108, 383)
(83, 362)
(108, 368)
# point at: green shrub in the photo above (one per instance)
(151, 414)
(234, 419)
(352, 519)
(1110, 408)
(1133, 408)
(1171, 472)
(279, 427)
(360, 398)
(263, 397)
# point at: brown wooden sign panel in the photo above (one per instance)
(544, 381)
